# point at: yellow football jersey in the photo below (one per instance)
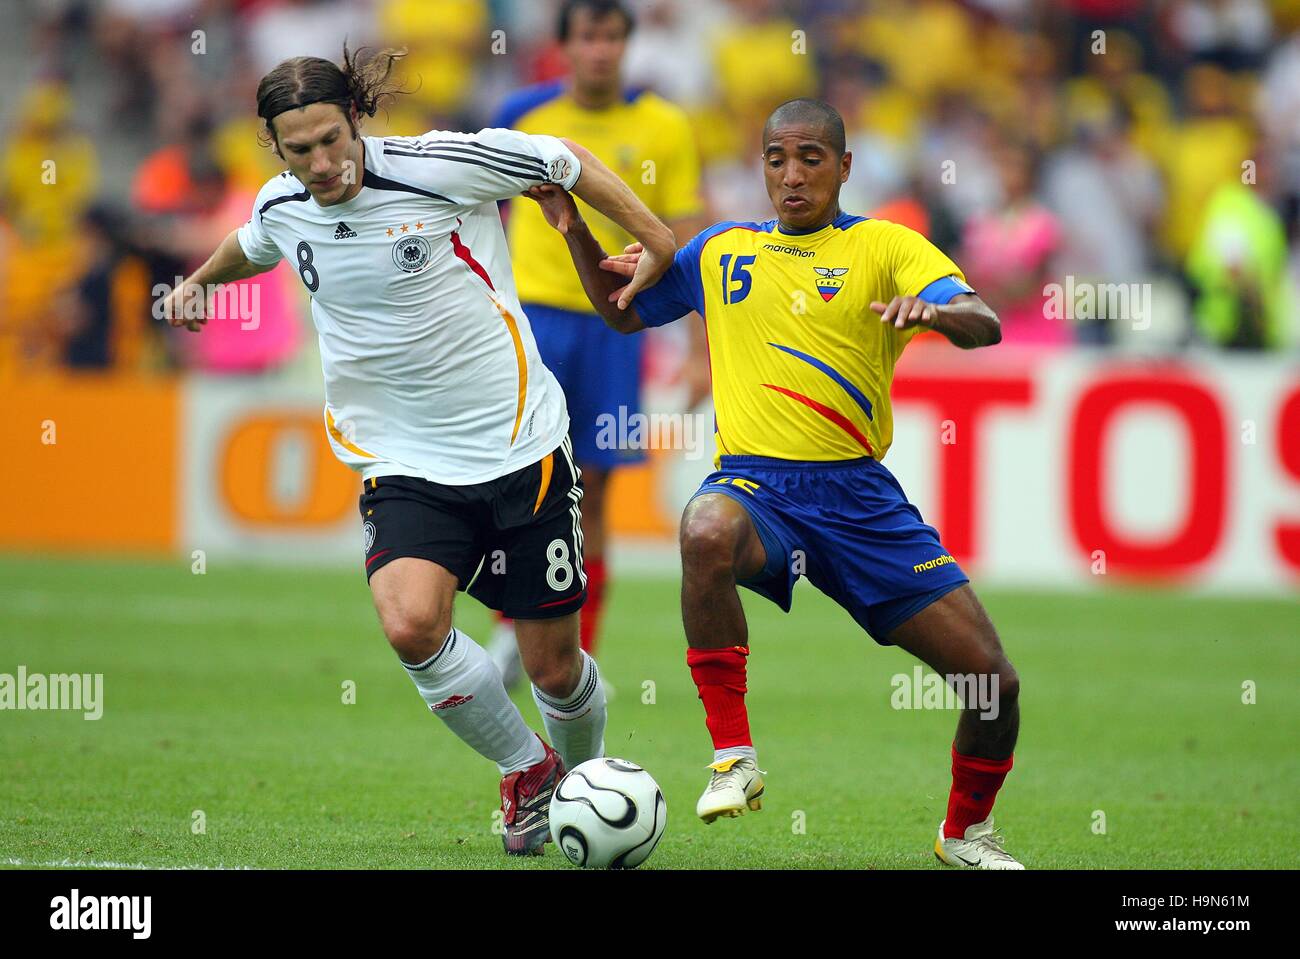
(644, 139)
(801, 365)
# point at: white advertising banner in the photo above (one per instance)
(1064, 469)
(1080, 466)
(258, 476)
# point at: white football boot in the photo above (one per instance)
(981, 848)
(736, 784)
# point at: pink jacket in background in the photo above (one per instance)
(1001, 253)
(264, 328)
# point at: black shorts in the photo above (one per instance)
(514, 543)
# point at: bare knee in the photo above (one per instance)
(988, 657)
(993, 675)
(415, 633)
(709, 541)
(550, 654)
(557, 674)
(413, 598)
(1000, 673)
(1008, 681)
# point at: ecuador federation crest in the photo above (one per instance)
(828, 282)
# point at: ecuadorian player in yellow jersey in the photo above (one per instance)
(801, 365)
(642, 137)
(648, 142)
(806, 316)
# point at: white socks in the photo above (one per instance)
(463, 688)
(576, 724)
(735, 752)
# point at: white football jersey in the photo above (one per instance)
(431, 368)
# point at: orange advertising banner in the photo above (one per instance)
(93, 461)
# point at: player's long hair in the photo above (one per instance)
(364, 82)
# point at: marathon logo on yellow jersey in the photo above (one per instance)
(827, 283)
(930, 564)
(790, 250)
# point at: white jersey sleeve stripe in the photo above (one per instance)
(518, 167)
(476, 140)
(498, 166)
(474, 168)
(505, 157)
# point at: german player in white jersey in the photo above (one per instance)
(436, 394)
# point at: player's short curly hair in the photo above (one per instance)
(364, 82)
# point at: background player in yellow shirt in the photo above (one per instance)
(648, 142)
(806, 316)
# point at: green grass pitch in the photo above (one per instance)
(223, 693)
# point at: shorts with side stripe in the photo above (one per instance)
(514, 543)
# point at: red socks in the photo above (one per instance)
(719, 675)
(975, 784)
(589, 619)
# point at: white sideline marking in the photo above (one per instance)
(95, 864)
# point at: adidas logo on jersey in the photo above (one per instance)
(344, 232)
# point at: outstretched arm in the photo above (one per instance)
(966, 320)
(602, 287)
(600, 187)
(226, 264)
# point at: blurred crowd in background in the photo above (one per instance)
(1089, 143)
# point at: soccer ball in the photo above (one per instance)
(607, 814)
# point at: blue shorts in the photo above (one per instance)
(848, 527)
(599, 370)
